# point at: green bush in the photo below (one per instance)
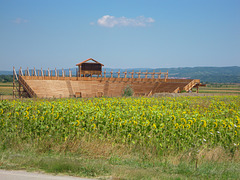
(128, 91)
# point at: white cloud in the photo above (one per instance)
(111, 21)
(20, 21)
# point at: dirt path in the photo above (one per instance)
(23, 175)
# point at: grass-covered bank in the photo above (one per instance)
(149, 138)
(209, 164)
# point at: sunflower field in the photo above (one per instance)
(164, 124)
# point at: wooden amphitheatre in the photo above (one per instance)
(91, 81)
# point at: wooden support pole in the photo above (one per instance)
(62, 72)
(41, 72)
(118, 73)
(125, 74)
(70, 73)
(20, 72)
(159, 74)
(15, 74)
(48, 73)
(139, 74)
(80, 70)
(28, 71)
(146, 74)
(35, 74)
(153, 74)
(111, 73)
(105, 73)
(55, 72)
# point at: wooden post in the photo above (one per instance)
(105, 73)
(48, 73)
(111, 73)
(35, 74)
(125, 74)
(153, 74)
(28, 71)
(159, 74)
(118, 73)
(139, 74)
(55, 72)
(20, 72)
(146, 74)
(80, 71)
(62, 72)
(41, 72)
(132, 73)
(166, 76)
(70, 73)
(38, 73)
(15, 74)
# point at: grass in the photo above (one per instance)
(6, 91)
(104, 159)
(220, 88)
(120, 166)
(8, 84)
(218, 92)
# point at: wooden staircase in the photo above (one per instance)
(173, 87)
(190, 85)
(26, 87)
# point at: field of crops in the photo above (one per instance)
(163, 124)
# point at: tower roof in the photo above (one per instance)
(90, 59)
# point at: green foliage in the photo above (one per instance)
(166, 124)
(6, 78)
(128, 91)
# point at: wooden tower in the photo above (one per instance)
(86, 68)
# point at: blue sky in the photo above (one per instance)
(119, 33)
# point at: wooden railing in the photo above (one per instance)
(190, 85)
(105, 79)
(26, 87)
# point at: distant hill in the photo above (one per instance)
(6, 72)
(229, 74)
